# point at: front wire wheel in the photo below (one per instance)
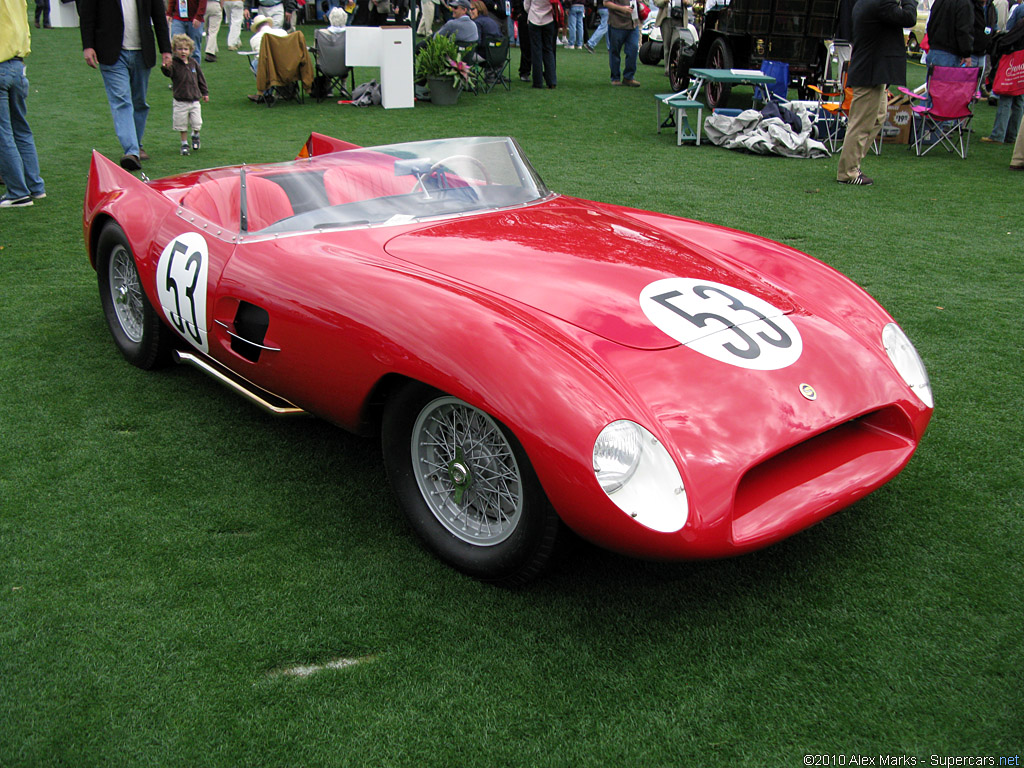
(467, 487)
(132, 321)
(467, 472)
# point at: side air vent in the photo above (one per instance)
(251, 324)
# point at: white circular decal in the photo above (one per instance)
(181, 282)
(722, 322)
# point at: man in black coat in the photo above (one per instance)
(878, 60)
(951, 33)
(123, 50)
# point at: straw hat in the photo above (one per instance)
(260, 21)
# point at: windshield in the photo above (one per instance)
(391, 184)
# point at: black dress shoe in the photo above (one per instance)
(131, 163)
(210, 57)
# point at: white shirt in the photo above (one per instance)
(132, 40)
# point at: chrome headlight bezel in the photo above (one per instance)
(907, 362)
(637, 473)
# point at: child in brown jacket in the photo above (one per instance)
(188, 86)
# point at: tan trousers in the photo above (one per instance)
(1017, 160)
(867, 114)
(214, 16)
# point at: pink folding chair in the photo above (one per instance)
(947, 120)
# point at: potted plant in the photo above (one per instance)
(440, 63)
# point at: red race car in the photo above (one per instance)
(666, 388)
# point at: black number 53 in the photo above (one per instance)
(190, 274)
(744, 345)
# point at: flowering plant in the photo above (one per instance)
(461, 72)
(440, 57)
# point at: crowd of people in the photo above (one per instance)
(123, 38)
(959, 34)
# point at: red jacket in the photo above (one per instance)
(196, 10)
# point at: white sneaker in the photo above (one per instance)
(16, 202)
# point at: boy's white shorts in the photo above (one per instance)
(186, 112)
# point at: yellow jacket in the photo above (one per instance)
(14, 36)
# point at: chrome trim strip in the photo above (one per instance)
(234, 335)
(242, 386)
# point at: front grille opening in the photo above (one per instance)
(822, 474)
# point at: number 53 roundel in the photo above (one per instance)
(724, 323)
(182, 275)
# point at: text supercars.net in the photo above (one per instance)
(947, 761)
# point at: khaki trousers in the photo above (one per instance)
(1018, 148)
(867, 114)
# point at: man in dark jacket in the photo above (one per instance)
(878, 60)
(124, 52)
(951, 33)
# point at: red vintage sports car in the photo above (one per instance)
(666, 388)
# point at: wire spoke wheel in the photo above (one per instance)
(467, 472)
(126, 292)
(466, 486)
(137, 330)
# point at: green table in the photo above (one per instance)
(700, 77)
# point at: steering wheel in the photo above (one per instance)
(477, 165)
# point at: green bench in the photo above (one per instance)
(678, 104)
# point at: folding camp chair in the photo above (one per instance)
(284, 68)
(839, 52)
(331, 70)
(833, 110)
(947, 120)
(777, 91)
(496, 64)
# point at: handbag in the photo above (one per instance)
(1009, 79)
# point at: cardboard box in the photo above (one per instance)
(898, 119)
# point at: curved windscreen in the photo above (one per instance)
(391, 184)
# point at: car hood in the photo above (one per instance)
(583, 263)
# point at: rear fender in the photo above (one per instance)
(318, 144)
(112, 192)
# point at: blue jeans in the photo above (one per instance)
(1007, 120)
(576, 25)
(602, 27)
(937, 58)
(126, 83)
(617, 39)
(19, 164)
(179, 27)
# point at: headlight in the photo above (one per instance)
(907, 362)
(638, 474)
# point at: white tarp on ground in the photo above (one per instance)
(751, 132)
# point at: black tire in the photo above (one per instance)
(134, 324)
(502, 534)
(679, 65)
(913, 46)
(719, 57)
(650, 52)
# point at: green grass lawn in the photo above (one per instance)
(168, 552)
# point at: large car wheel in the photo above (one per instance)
(133, 322)
(719, 57)
(467, 487)
(913, 46)
(650, 52)
(679, 65)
